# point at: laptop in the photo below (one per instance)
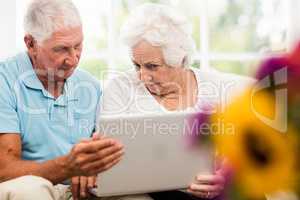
(157, 154)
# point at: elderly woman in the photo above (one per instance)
(163, 81)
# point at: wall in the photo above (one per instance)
(8, 28)
(293, 22)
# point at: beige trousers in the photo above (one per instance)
(37, 188)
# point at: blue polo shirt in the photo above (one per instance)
(48, 127)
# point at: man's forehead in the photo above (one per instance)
(66, 36)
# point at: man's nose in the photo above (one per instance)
(72, 59)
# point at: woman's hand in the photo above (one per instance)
(212, 185)
(208, 186)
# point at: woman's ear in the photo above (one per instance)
(184, 62)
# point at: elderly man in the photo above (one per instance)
(48, 111)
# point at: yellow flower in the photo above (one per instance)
(263, 157)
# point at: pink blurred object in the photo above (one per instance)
(290, 61)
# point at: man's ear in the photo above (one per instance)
(31, 44)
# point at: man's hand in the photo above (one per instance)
(81, 185)
(88, 158)
(92, 156)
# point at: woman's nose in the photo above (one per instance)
(145, 75)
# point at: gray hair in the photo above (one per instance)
(161, 26)
(44, 17)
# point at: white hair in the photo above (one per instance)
(44, 17)
(161, 26)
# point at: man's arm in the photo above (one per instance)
(12, 166)
(85, 159)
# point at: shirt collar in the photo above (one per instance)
(28, 75)
(29, 78)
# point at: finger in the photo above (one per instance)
(100, 155)
(197, 193)
(210, 179)
(75, 187)
(94, 146)
(218, 162)
(97, 136)
(97, 170)
(111, 164)
(203, 195)
(91, 182)
(224, 168)
(104, 162)
(83, 187)
(206, 188)
(85, 140)
(221, 172)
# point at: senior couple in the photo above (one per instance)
(48, 107)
